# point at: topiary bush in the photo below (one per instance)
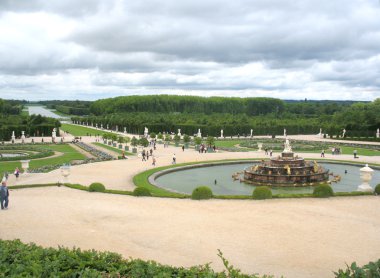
(323, 191)
(261, 193)
(141, 191)
(96, 187)
(201, 193)
(377, 189)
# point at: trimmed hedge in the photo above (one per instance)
(323, 191)
(261, 193)
(377, 189)
(96, 187)
(141, 191)
(201, 193)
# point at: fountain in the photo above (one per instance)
(286, 170)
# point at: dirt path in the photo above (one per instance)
(82, 151)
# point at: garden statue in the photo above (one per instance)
(125, 130)
(117, 128)
(378, 133)
(13, 137)
(285, 132)
(199, 133)
(23, 137)
(179, 132)
(251, 132)
(53, 135)
(344, 133)
(146, 132)
(96, 125)
(221, 133)
(108, 127)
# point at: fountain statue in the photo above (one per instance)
(286, 170)
(366, 176)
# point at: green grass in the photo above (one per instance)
(227, 143)
(60, 113)
(82, 131)
(117, 150)
(69, 154)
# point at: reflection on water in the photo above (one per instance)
(185, 181)
(43, 112)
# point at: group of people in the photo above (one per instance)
(145, 154)
(203, 148)
(270, 152)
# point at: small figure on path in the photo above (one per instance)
(183, 148)
(4, 195)
(154, 161)
(143, 156)
(174, 159)
(356, 154)
(323, 153)
(17, 172)
(215, 182)
(271, 153)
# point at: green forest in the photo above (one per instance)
(266, 116)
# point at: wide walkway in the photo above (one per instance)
(290, 237)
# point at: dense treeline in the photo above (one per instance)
(10, 107)
(235, 115)
(189, 123)
(76, 107)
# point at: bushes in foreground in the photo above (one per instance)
(29, 260)
(96, 187)
(261, 193)
(371, 269)
(141, 191)
(377, 189)
(201, 193)
(323, 191)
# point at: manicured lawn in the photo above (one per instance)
(117, 150)
(69, 154)
(82, 131)
(227, 143)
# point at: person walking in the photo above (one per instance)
(4, 195)
(174, 159)
(323, 153)
(17, 172)
(355, 154)
(154, 161)
(183, 148)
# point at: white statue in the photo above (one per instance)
(101, 126)
(344, 132)
(221, 133)
(23, 137)
(13, 137)
(179, 132)
(125, 130)
(199, 133)
(285, 132)
(288, 148)
(117, 129)
(251, 132)
(146, 131)
(108, 127)
(96, 125)
(378, 133)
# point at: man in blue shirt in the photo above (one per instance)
(4, 195)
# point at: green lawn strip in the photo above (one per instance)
(69, 154)
(32, 186)
(61, 113)
(119, 151)
(82, 131)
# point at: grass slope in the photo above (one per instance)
(82, 131)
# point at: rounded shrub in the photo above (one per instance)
(201, 193)
(141, 191)
(323, 191)
(261, 193)
(377, 189)
(96, 187)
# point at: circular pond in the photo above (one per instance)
(186, 180)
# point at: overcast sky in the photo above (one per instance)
(91, 49)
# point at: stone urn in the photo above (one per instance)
(366, 176)
(25, 165)
(260, 146)
(65, 172)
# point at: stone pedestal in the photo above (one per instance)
(25, 165)
(366, 176)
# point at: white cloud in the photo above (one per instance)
(95, 49)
